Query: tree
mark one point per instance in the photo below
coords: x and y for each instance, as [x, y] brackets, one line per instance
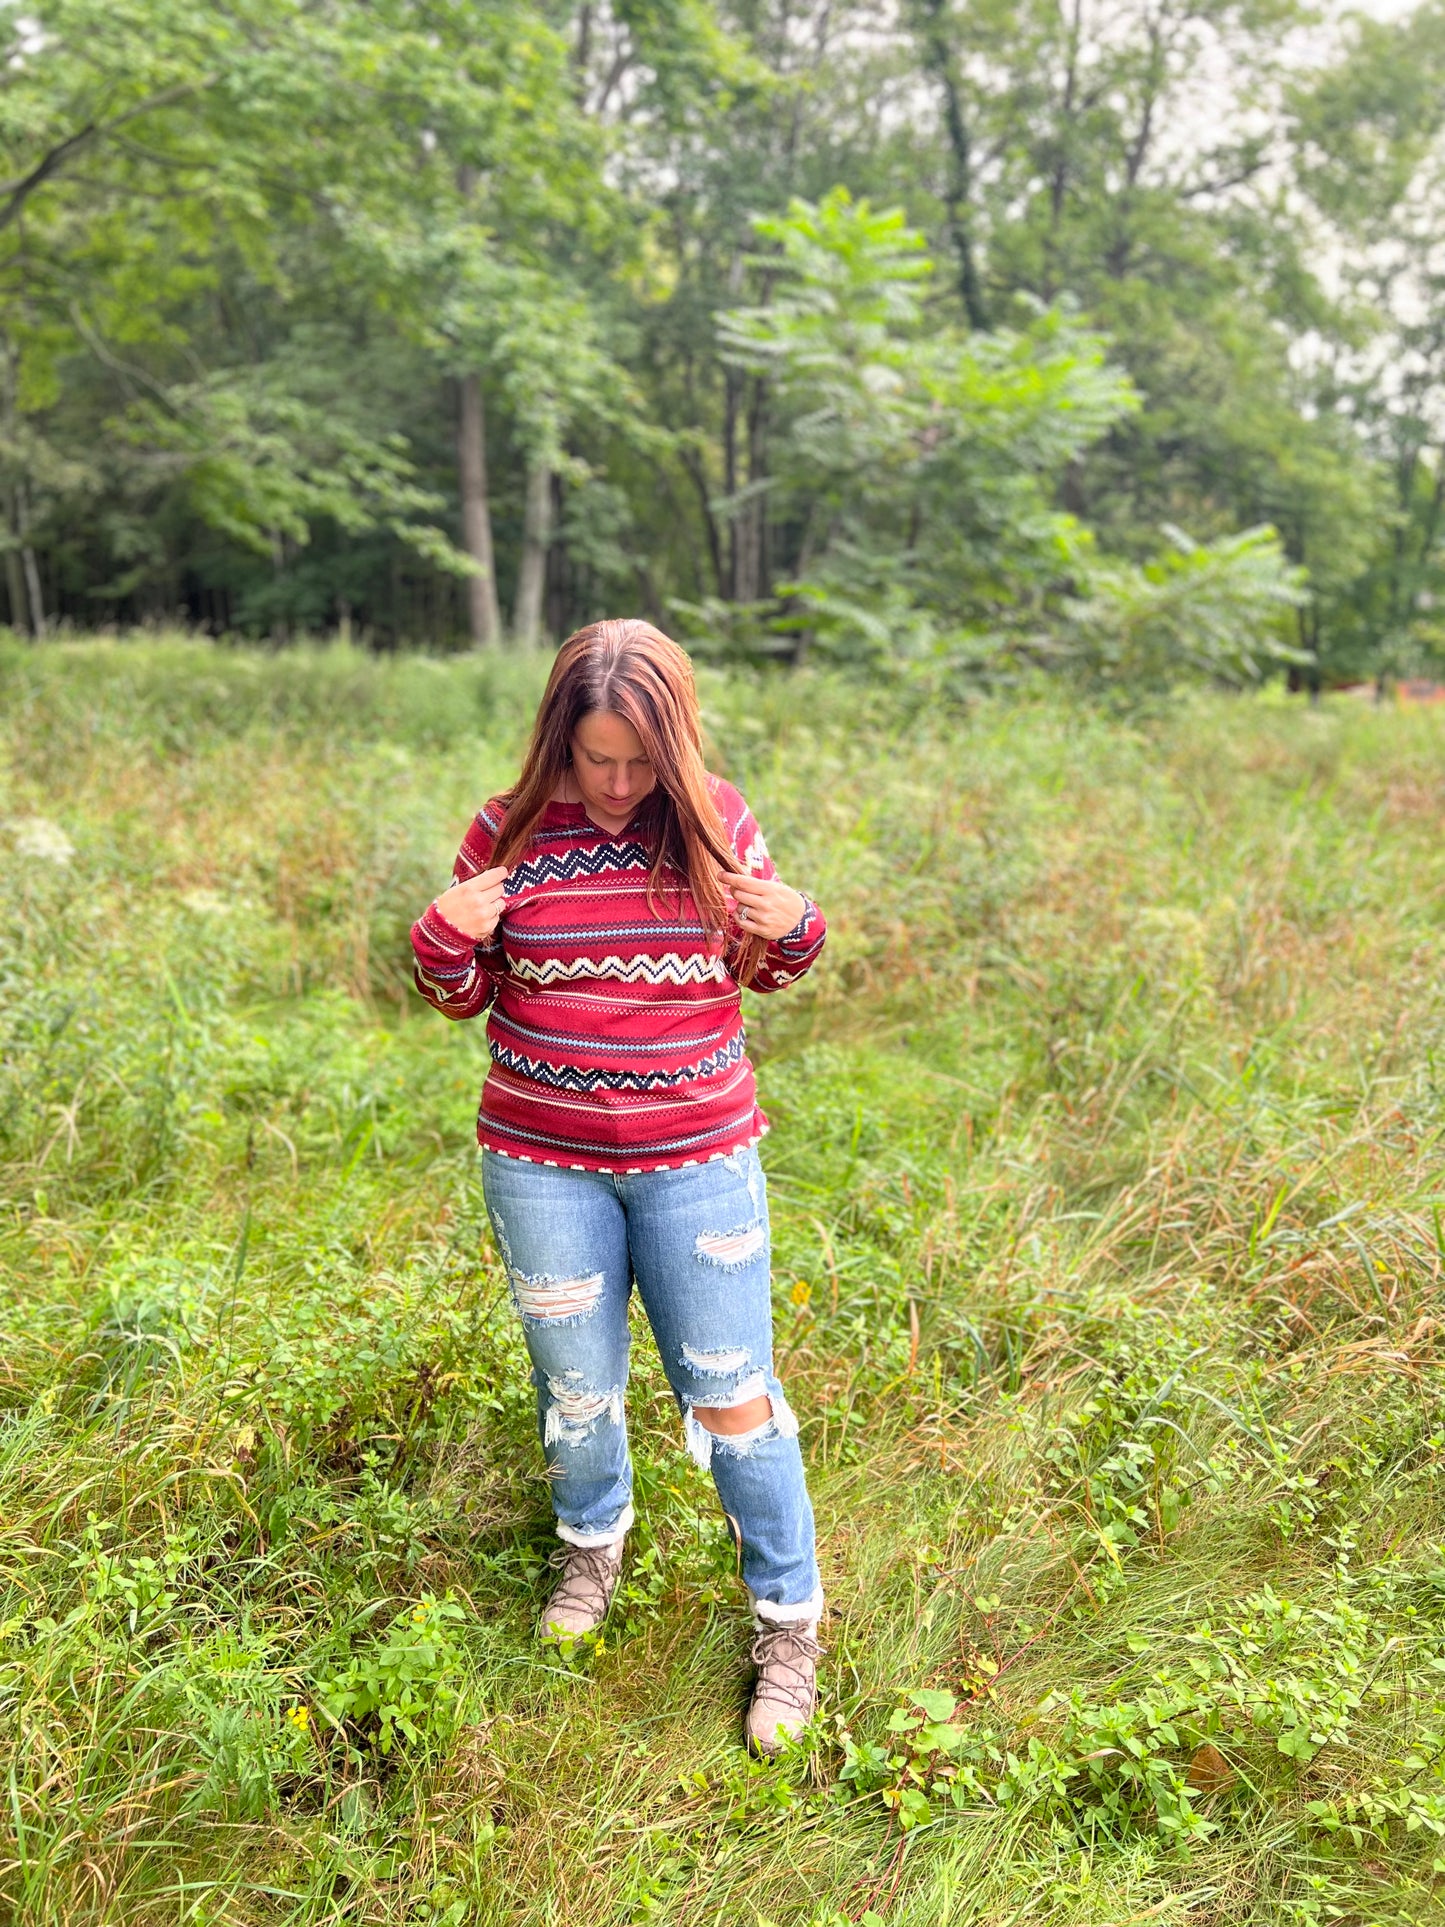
[342, 143]
[1114, 161]
[400, 316]
[1368, 138]
[921, 464]
[917, 461]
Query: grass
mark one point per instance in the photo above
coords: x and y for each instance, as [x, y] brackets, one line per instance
[1106, 1181]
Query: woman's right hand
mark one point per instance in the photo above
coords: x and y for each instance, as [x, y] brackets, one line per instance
[475, 907]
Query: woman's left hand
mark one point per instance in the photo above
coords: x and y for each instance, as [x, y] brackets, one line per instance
[765, 908]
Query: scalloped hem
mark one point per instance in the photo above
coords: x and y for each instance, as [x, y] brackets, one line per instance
[628, 1170]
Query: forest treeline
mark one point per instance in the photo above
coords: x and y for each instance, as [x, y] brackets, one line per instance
[1004, 333]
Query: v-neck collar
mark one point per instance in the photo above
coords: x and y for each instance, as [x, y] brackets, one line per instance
[578, 812]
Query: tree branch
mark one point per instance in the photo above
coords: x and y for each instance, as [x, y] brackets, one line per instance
[938, 57]
[118, 367]
[692, 463]
[626, 58]
[15, 193]
[1246, 172]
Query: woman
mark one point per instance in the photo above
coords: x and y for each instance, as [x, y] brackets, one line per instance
[606, 911]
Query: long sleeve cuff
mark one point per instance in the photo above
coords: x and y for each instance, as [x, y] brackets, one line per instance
[456, 974]
[791, 956]
[441, 937]
[805, 933]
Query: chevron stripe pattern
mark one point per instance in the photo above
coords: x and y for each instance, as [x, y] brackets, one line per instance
[615, 1032]
[669, 968]
[570, 1077]
[565, 866]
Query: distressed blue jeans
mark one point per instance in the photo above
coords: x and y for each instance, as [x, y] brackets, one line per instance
[695, 1240]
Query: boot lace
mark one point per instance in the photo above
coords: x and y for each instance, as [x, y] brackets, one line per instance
[589, 1577]
[786, 1659]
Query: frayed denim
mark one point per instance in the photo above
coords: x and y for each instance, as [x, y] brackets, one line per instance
[695, 1239]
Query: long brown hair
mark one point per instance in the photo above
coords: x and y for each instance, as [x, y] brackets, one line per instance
[632, 670]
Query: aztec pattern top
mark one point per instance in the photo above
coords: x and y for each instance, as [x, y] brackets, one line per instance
[615, 1028]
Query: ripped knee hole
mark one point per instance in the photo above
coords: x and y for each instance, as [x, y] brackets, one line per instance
[725, 1421]
[727, 1362]
[738, 1426]
[731, 1248]
[542, 1298]
[575, 1408]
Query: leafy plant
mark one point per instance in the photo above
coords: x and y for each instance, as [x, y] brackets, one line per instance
[1105, 1772]
[1224, 610]
[922, 456]
[403, 1687]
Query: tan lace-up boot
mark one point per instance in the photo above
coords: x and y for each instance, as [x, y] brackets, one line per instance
[785, 1693]
[584, 1592]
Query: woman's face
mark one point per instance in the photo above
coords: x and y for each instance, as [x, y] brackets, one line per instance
[611, 768]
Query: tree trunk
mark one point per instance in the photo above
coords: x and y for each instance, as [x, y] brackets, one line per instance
[938, 56]
[750, 521]
[483, 612]
[14, 574]
[28, 562]
[532, 576]
[692, 463]
[279, 634]
[1064, 155]
[732, 383]
[554, 595]
[15, 587]
[761, 502]
[732, 402]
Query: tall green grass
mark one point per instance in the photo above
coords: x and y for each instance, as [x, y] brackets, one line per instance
[1106, 1180]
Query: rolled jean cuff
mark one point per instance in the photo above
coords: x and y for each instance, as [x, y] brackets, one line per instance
[803, 1612]
[612, 1535]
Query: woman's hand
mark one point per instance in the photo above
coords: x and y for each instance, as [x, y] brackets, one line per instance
[475, 907]
[765, 908]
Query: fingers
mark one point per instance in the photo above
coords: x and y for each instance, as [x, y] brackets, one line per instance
[764, 906]
[485, 887]
[749, 901]
[761, 914]
[475, 905]
[760, 895]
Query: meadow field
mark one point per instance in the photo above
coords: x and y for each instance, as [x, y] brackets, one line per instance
[1107, 1197]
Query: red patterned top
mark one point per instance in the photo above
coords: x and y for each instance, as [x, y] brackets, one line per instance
[616, 1031]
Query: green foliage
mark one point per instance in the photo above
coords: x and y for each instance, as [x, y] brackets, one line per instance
[923, 463]
[1103, 1773]
[1284, 1674]
[920, 460]
[405, 1681]
[1215, 610]
[255, 1738]
[233, 218]
[250, 258]
[262, 466]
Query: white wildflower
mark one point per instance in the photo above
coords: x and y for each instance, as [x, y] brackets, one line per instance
[206, 903]
[37, 836]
